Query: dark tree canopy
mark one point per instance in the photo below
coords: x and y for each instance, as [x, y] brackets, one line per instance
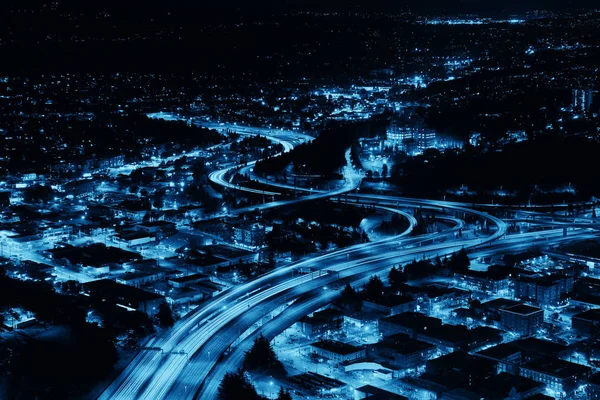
[350, 298]
[235, 386]
[374, 289]
[165, 316]
[396, 278]
[261, 357]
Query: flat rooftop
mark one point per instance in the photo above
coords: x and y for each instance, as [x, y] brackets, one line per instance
[522, 309]
[336, 347]
[556, 367]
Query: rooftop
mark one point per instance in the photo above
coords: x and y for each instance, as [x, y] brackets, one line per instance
[556, 367]
[522, 309]
[374, 393]
[189, 278]
[336, 347]
[499, 352]
[413, 320]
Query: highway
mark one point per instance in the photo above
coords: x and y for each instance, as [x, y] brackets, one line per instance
[316, 299]
[188, 353]
[152, 373]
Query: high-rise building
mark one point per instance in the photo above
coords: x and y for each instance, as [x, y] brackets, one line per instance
[426, 139]
[399, 133]
[582, 100]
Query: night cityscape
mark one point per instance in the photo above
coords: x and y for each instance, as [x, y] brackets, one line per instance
[300, 199]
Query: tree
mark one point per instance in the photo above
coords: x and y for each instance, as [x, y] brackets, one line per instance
[374, 289]
[165, 316]
[459, 261]
[350, 298]
[261, 357]
[384, 171]
[284, 394]
[396, 278]
[235, 386]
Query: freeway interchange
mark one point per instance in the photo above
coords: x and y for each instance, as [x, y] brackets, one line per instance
[188, 361]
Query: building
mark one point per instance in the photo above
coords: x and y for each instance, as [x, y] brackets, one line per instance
[184, 281]
[522, 319]
[134, 238]
[403, 134]
[338, 351]
[459, 337]
[510, 356]
[391, 304]
[322, 323]
[398, 134]
[544, 290]
[374, 393]
[110, 162]
[138, 278]
[437, 296]
[125, 296]
[252, 235]
[491, 281]
[560, 376]
[460, 369]
[426, 139]
[587, 323]
[507, 357]
[404, 352]
[582, 100]
[54, 232]
[160, 229]
[408, 323]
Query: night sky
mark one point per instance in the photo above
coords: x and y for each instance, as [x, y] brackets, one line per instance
[462, 6]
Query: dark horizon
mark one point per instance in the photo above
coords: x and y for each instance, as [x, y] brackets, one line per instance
[454, 6]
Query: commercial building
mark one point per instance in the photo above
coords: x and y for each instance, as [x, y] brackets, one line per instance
[322, 322]
[338, 351]
[587, 323]
[460, 369]
[374, 393]
[184, 281]
[404, 352]
[559, 375]
[391, 304]
[582, 100]
[138, 278]
[491, 282]
[408, 323]
[249, 235]
[544, 290]
[522, 319]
